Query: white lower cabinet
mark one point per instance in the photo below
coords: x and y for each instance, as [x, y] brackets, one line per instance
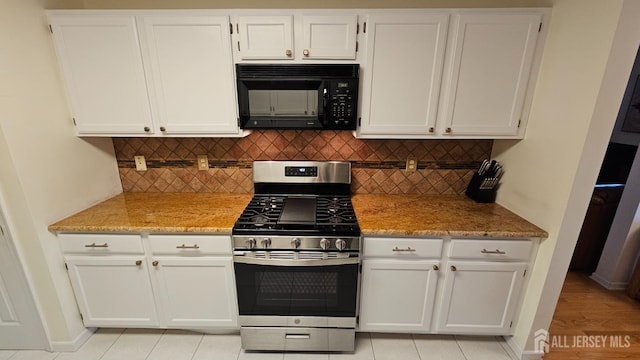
[399, 281]
[398, 295]
[480, 298]
[156, 281]
[113, 290]
[476, 290]
[196, 292]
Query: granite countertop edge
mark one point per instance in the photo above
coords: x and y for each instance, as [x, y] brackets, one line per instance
[216, 213]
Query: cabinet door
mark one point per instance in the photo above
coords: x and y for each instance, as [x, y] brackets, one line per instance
[329, 37]
[113, 290]
[397, 296]
[103, 74]
[190, 73]
[480, 298]
[265, 37]
[196, 292]
[492, 56]
[401, 84]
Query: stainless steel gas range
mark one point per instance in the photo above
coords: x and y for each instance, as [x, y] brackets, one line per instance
[296, 258]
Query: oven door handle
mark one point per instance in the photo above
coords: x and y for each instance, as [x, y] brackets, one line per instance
[291, 262]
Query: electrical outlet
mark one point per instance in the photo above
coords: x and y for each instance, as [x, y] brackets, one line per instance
[203, 162]
[141, 164]
[412, 164]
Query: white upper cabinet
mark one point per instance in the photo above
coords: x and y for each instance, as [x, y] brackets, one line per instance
[103, 73]
[401, 83]
[265, 37]
[329, 37]
[190, 73]
[155, 73]
[491, 57]
[296, 36]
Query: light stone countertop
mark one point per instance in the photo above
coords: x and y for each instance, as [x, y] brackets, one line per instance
[159, 212]
[438, 215]
[388, 215]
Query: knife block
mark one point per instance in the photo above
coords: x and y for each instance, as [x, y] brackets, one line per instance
[480, 195]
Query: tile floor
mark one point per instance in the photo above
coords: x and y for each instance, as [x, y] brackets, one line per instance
[140, 344]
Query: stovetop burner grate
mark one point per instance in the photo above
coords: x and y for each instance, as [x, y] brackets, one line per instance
[332, 214]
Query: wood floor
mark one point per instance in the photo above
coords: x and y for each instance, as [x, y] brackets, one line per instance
[591, 322]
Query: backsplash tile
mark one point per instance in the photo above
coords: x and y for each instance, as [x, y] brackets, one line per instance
[444, 166]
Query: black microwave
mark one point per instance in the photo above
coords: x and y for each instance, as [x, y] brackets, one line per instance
[298, 96]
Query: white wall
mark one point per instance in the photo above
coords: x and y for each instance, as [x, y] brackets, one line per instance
[47, 172]
[551, 173]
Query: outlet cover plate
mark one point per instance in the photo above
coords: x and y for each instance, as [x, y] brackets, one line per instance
[412, 163]
[141, 163]
[203, 162]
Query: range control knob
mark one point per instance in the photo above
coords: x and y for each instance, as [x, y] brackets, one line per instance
[325, 244]
[295, 243]
[266, 242]
[341, 244]
[251, 243]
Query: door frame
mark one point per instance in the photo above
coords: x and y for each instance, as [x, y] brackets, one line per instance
[38, 333]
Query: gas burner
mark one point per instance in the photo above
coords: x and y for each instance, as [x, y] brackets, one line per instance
[259, 220]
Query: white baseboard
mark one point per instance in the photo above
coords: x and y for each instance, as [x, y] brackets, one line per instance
[609, 285]
[75, 344]
[518, 353]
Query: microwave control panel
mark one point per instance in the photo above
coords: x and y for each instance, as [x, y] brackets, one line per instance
[343, 97]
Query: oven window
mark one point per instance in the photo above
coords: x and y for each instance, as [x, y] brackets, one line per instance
[297, 290]
[298, 103]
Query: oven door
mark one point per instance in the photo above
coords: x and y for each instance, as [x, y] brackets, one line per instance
[297, 292]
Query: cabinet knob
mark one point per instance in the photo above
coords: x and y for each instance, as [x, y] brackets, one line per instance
[453, 268]
[147, 129]
[288, 52]
[431, 129]
[138, 262]
[162, 128]
[155, 263]
[448, 130]
[305, 52]
[436, 267]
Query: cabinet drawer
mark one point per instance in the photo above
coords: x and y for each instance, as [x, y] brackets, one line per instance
[402, 247]
[190, 244]
[101, 244]
[491, 249]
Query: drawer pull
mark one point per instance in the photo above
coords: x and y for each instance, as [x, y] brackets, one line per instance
[183, 246]
[485, 251]
[409, 249]
[105, 245]
[138, 262]
[453, 268]
[155, 263]
[436, 267]
[297, 336]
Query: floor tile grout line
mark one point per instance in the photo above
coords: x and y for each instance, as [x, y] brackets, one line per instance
[415, 346]
[156, 344]
[110, 346]
[198, 347]
[455, 337]
[505, 347]
[373, 350]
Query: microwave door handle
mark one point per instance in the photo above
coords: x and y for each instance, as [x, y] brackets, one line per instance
[323, 112]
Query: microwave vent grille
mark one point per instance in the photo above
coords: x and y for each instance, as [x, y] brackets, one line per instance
[295, 70]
